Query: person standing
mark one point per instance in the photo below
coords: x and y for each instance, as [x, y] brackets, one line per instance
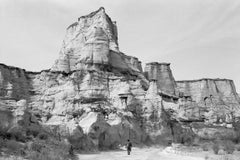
[129, 147]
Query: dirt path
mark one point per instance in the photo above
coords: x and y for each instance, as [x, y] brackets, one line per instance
[137, 154]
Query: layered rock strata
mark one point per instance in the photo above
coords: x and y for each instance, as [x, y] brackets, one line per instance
[217, 96]
[98, 97]
[162, 75]
[13, 83]
[207, 92]
[93, 41]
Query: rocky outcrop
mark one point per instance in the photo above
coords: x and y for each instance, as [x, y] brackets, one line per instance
[218, 96]
[93, 41]
[162, 75]
[97, 97]
[13, 83]
[210, 91]
[210, 103]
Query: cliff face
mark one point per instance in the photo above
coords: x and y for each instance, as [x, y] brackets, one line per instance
[207, 92]
[93, 41]
[100, 97]
[215, 100]
[162, 75]
[14, 83]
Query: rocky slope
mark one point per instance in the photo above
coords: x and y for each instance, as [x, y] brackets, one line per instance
[97, 97]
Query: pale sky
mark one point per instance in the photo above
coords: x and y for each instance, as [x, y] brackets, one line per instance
[200, 38]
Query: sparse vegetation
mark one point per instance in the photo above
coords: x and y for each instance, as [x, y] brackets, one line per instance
[37, 146]
[42, 136]
[229, 147]
[238, 147]
[206, 157]
[215, 147]
[48, 150]
[205, 147]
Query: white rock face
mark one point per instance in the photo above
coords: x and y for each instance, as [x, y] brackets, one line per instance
[162, 74]
[13, 83]
[93, 41]
[218, 96]
[100, 97]
[206, 91]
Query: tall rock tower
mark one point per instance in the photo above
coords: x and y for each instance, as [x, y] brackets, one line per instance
[91, 42]
[162, 75]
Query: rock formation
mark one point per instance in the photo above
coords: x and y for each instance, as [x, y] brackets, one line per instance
[98, 97]
[162, 75]
[210, 92]
[91, 42]
[217, 96]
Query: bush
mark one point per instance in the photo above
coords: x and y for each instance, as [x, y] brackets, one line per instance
[46, 154]
[215, 148]
[206, 157]
[2, 143]
[12, 145]
[42, 136]
[238, 147]
[32, 132]
[229, 147]
[189, 141]
[205, 147]
[35, 146]
[49, 150]
[19, 136]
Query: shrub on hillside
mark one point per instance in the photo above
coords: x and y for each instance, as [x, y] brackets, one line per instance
[2, 143]
[238, 148]
[237, 139]
[13, 145]
[215, 148]
[205, 147]
[229, 147]
[42, 136]
[188, 140]
[49, 150]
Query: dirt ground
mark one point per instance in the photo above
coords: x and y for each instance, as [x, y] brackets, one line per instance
[158, 154]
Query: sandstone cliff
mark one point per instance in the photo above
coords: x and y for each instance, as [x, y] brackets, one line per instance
[162, 75]
[212, 94]
[93, 41]
[205, 91]
[13, 83]
[98, 97]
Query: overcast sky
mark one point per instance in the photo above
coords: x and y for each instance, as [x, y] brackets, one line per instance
[200, 38]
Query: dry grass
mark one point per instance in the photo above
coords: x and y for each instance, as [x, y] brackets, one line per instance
[48, 150]
[205, 147]
[215, 148]
[229, 147]
[37, 149]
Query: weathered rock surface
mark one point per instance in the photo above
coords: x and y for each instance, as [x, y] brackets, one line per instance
[162, 74]
[13, 83]
[210, 91]
[98, 97]
[217, 96]
[93, 41]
